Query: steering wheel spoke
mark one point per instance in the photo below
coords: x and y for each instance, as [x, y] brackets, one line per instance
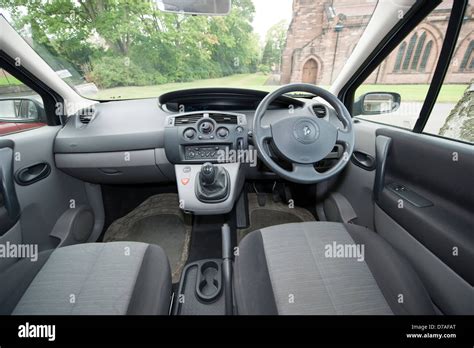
[265, 132]
[344, 137]
[304, 170]
[262, 133]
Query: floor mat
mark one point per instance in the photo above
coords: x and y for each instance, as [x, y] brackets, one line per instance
[273, 213]
[158, 220]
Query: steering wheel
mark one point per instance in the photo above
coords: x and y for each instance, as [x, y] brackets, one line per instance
[304, 139]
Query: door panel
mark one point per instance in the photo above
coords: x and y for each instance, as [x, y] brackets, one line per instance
[43, 202]
[425, 210]
[450, 293]
[437, 238]
[9, 206]
[428, 169]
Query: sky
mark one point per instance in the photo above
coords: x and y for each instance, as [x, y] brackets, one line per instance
[269, 12]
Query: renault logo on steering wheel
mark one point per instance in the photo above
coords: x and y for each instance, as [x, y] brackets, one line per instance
[306, 131]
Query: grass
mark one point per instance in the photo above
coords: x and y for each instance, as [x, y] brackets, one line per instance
[252, 81]
[416, 93]
[10, 81]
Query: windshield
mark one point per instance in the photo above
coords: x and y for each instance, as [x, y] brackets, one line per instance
[122, 49]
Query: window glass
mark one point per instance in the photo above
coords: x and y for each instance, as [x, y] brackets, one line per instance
[408, 72]
[130, 49]
[21, 108]
[453, 114]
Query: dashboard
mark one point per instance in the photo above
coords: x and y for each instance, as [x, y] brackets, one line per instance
[140, 141]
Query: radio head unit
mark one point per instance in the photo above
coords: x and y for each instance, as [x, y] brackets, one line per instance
[199, 137]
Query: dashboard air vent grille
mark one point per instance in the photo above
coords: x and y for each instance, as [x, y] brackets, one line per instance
[320, 110]
[222, 118]
[86, 115]
[187, 119]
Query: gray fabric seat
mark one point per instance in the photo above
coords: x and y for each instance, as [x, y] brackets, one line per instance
[93, 279]
[292, 269]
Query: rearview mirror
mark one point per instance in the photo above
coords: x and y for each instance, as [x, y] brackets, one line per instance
[196, 7]
[21, 110]
[375, 103]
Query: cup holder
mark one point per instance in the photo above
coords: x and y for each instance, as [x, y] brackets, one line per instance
[209, 282]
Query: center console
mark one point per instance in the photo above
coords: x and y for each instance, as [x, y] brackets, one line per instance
[205, 287]
[203, 148]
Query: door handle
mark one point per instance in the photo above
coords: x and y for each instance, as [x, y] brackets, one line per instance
[363, 160]
[29, 175]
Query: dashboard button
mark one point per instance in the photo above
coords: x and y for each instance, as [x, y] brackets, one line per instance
[189, 133]
[222, 132]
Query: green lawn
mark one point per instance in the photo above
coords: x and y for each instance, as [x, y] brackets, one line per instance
[252, 81]
[449, 93]
[4, 81]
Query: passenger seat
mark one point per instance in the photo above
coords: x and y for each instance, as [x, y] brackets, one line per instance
[89, 279]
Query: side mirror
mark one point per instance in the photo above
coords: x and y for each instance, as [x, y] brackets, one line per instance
[201, 7]
[21, 110]
[376, 103]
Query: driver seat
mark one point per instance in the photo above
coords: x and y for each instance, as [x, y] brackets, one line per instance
[301, 269]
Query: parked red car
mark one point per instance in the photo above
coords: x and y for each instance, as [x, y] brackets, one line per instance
[18, 114]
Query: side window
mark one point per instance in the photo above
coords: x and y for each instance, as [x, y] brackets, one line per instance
[453, 114]
[21, 108]
[394, 93]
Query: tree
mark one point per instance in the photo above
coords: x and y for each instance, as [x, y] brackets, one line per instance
[156, 46]
[274, 45]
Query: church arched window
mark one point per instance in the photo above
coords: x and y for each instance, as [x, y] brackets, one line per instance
[400, 54]
[426, 56]
[409, 54]
[417, 54]
[413, 55]
[467, 62]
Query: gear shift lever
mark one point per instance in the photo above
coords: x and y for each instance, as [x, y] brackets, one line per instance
[213, 184]
[208, 173]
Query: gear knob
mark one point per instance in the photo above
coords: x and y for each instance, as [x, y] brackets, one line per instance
[208, 173]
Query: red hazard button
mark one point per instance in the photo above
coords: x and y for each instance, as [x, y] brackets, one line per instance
[184, 181]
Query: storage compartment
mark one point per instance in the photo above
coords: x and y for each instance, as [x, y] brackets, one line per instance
[200, 289]
[127, 167]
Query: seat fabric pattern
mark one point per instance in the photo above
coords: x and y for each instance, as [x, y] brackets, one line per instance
[100, 279]
[297, 269]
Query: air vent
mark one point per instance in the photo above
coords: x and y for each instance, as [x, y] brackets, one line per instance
[86, 115]
[224, 119]
[320, 110]
[187, 119]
